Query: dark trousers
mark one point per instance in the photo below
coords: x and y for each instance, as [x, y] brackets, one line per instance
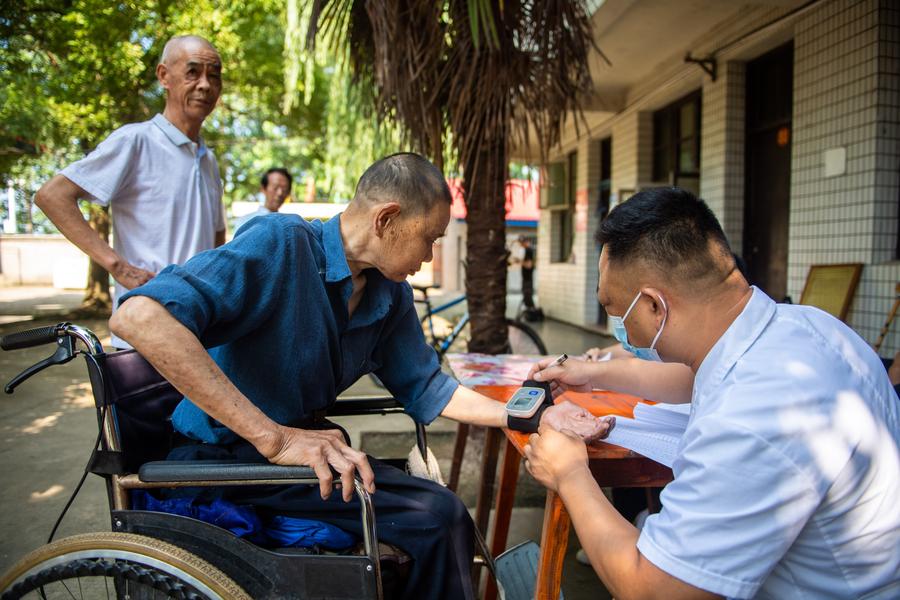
[528, 287]
[424, 519]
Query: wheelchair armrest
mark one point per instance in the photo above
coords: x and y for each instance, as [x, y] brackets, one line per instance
[217, 470]
[364, 405]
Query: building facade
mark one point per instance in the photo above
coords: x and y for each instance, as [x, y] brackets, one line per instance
[783, 116]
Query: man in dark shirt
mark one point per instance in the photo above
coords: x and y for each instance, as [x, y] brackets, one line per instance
[527, 272]
[294, 313]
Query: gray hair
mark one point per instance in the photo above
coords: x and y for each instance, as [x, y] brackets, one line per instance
[406, 178]
[177, 42]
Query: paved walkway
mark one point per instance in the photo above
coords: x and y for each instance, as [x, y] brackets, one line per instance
[48, 425]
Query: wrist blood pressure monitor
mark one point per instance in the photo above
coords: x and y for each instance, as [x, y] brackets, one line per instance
[524, 409]
[525, 402]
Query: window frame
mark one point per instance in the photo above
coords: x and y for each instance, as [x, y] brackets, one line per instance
[668, 140]
[562, 214]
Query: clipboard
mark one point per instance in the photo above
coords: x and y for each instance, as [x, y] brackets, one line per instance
[831, 287]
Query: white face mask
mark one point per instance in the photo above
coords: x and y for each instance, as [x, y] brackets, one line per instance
[618, 324]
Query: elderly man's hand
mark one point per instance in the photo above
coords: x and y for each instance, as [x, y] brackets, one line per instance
[552, 456]
[567, 416]
[322, 450]
[131, 276]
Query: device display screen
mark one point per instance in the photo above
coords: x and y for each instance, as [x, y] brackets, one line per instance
[523, 401]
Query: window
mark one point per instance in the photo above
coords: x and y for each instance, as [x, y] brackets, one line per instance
[676, 143]
[561, 202]
[556, 191]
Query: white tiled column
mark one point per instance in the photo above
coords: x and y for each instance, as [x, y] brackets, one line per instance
[632, 153]
[722, 149]
[567, 291]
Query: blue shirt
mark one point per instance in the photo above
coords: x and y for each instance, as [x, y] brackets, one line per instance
[272, 306]
[787, 478]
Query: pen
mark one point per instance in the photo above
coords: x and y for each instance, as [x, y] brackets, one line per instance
[560, 360]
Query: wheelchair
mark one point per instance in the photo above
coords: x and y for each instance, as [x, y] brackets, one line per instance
[161, 555]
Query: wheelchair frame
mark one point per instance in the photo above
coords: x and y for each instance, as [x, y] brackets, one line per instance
[119, 377]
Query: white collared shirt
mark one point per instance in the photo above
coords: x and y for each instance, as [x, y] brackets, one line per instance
[164, 193]
[787, 481]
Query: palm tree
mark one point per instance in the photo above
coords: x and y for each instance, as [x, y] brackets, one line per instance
[481, 74]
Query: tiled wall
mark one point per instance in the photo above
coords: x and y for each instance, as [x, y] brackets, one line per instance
[846, 95]
[632, 153]
[722, 149]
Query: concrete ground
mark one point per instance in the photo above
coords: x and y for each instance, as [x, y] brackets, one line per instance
[47, 428]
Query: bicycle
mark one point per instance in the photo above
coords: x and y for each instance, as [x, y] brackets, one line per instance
[521, 339]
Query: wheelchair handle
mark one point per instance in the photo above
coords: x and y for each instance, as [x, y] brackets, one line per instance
[63, 334]
[31, 337]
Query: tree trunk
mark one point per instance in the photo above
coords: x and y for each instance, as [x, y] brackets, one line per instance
[484, 182]
[97, 300]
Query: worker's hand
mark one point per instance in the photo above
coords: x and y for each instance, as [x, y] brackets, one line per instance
[322, 450]
[129, 275]
[573, 375]
[570, 417]
[593, 354]
[552, 456]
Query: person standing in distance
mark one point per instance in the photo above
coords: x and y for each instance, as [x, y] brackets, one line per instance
[158, 177]
[275, 186]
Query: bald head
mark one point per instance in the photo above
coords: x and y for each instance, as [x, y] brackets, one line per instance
[181, 44]
[191, 73]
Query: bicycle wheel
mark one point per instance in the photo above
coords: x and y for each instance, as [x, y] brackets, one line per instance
[523, 339]
[116, 565]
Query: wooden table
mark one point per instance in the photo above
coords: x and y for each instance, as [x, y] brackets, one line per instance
[612, 466]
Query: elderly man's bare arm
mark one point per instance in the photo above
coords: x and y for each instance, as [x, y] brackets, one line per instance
[58, 198]
[468, 406]
[179, 356]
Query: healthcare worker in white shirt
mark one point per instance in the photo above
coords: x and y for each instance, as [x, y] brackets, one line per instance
[159, 178]
[787, 479]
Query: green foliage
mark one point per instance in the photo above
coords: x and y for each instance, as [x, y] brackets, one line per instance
[72, 71]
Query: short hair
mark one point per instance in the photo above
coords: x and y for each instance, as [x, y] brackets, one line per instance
[264, 182]
[407, 178]
[668, 228]
[177, 41]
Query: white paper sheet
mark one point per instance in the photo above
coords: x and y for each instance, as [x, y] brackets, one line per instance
[655, 432]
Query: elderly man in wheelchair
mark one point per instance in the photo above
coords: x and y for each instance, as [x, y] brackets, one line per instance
[259, 337]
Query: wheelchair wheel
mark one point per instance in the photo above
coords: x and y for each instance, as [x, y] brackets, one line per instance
[116, 565]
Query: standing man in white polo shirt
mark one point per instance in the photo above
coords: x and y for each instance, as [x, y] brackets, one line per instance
[787, 479]
[158, 177]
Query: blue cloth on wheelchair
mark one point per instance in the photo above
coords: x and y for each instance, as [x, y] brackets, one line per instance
[305, 533]
[242, 520]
